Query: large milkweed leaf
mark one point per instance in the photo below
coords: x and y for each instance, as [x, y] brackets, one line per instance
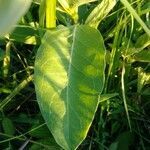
[10, 12]
[69, 77]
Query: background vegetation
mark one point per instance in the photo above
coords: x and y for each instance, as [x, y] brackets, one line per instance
[122, 120]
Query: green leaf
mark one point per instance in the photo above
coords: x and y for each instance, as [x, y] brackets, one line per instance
[113, 146]
[48, 144]
[146, 92]
[2, 54]
[25, 119]
[77, 3]
[100, 12]
[8, 126]
[125, 140]
[25, 34]
[105, 97]
[143, 79]
[37, 1]
[69, 77]
[71, 6]
[143, 56]
[40, 132]
[143, 41]
[138, 52]
[74, 3]
[10, 13]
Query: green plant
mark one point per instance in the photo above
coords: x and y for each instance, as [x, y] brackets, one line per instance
[91, 74]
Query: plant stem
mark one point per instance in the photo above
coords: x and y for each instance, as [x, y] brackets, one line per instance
[16, 91]
[6, 62]
[50, 13]
[124, 96]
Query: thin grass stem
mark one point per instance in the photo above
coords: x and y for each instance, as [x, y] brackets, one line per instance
[136, 16]
[124, 95]
[16, 91]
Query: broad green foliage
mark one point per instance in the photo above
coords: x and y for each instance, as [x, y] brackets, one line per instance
[69, 74]
[143, 56]
[25, 34]
[69, 77]
[100, 12]
[123, 141]
[143, 41]
[140, 51]
[10, 13]
[8, 126]
[143, 79]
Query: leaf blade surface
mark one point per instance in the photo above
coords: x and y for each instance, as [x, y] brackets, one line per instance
[69, 77]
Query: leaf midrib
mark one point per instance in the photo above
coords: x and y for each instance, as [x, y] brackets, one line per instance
[69, 71]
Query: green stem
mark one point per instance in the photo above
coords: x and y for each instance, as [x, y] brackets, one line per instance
[50, 13]
[6, 62]
[15, 91]
[20, 137]
[124, 95]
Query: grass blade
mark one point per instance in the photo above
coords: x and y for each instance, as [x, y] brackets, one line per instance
[124, 97]
[136, 16]
[15, 92]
